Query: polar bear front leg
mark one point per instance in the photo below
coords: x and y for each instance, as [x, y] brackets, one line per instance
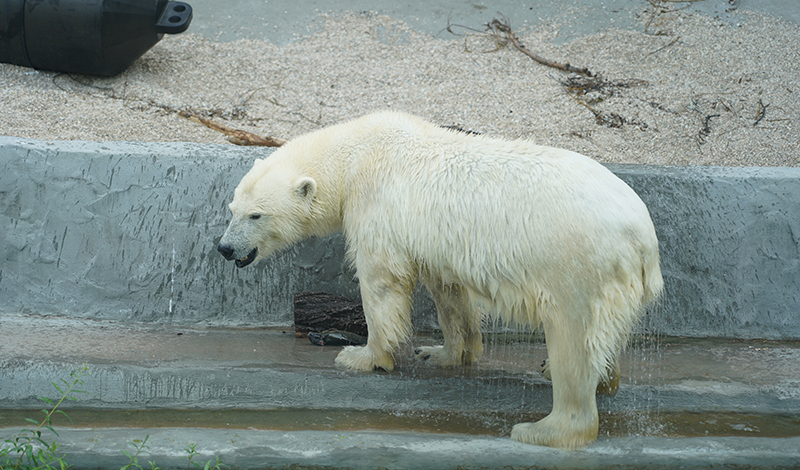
[387, 308]
[460, 327]
[573, 423]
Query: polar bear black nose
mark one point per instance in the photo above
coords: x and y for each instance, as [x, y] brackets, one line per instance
[226, 250]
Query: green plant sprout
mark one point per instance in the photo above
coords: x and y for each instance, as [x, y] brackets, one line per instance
[191, 450]
[133, 459]
[27, 450]
[21, 452]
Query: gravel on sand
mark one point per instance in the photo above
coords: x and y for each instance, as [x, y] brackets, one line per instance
[686, 89]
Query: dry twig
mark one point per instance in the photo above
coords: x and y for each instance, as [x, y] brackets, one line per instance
[664, 47]
[235, 136]
[603, 118]
[503, 34]
[596, 90]
[762, 111]
[502, 29]
[659, 9]
[705, 131]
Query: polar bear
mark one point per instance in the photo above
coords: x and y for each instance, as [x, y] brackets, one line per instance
[534, 235]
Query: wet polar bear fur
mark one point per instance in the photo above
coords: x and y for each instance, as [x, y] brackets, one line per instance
[535, 236]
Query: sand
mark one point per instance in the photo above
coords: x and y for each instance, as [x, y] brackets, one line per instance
[693, 90]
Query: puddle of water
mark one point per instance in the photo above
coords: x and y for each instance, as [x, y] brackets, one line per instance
[625, 424]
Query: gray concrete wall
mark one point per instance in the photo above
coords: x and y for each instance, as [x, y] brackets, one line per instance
[730, 248]
[128, 231]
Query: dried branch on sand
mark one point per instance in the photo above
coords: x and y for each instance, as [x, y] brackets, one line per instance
[595, 90]
[762, 111]
[235, 136]
[502, 29]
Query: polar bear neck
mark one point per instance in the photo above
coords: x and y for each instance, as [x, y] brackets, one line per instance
[338, 157]
[344, 156]
[321, 156]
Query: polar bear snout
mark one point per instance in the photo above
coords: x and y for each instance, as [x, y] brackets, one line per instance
[230, 254]
[236, 244]
[226, 251]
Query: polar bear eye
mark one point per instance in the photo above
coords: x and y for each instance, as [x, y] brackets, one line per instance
[255, 216]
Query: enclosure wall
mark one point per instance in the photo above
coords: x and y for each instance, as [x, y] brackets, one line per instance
[128, 232]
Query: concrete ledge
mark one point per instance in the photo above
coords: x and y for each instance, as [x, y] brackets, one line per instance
[127, 231]
[100, 448]
[148, 366]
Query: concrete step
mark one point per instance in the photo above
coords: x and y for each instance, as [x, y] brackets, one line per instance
[309, 450]
[264, 398]
[162, 366]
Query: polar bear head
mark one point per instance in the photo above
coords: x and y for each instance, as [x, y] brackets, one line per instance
[271, 209]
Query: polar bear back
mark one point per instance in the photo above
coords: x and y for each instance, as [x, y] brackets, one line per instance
[493, 215]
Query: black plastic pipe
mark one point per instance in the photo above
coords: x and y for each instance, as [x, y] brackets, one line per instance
[93, 37]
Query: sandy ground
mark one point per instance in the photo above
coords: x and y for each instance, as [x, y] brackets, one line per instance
[679, 89]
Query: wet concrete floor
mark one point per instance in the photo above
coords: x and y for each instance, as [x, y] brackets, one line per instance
[255, 388]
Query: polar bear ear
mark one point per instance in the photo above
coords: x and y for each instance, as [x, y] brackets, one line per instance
[305, 187]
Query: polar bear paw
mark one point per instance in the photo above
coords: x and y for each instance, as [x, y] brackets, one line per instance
[442, 357]
[552, 432]
[362, 358]
[437, 355]
[546, 369]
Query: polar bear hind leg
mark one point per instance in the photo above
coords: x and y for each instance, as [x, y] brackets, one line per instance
[609, 382]
[573, 422]
[460, 324]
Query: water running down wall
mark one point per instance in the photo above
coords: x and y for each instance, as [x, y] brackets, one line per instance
[128, 232]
